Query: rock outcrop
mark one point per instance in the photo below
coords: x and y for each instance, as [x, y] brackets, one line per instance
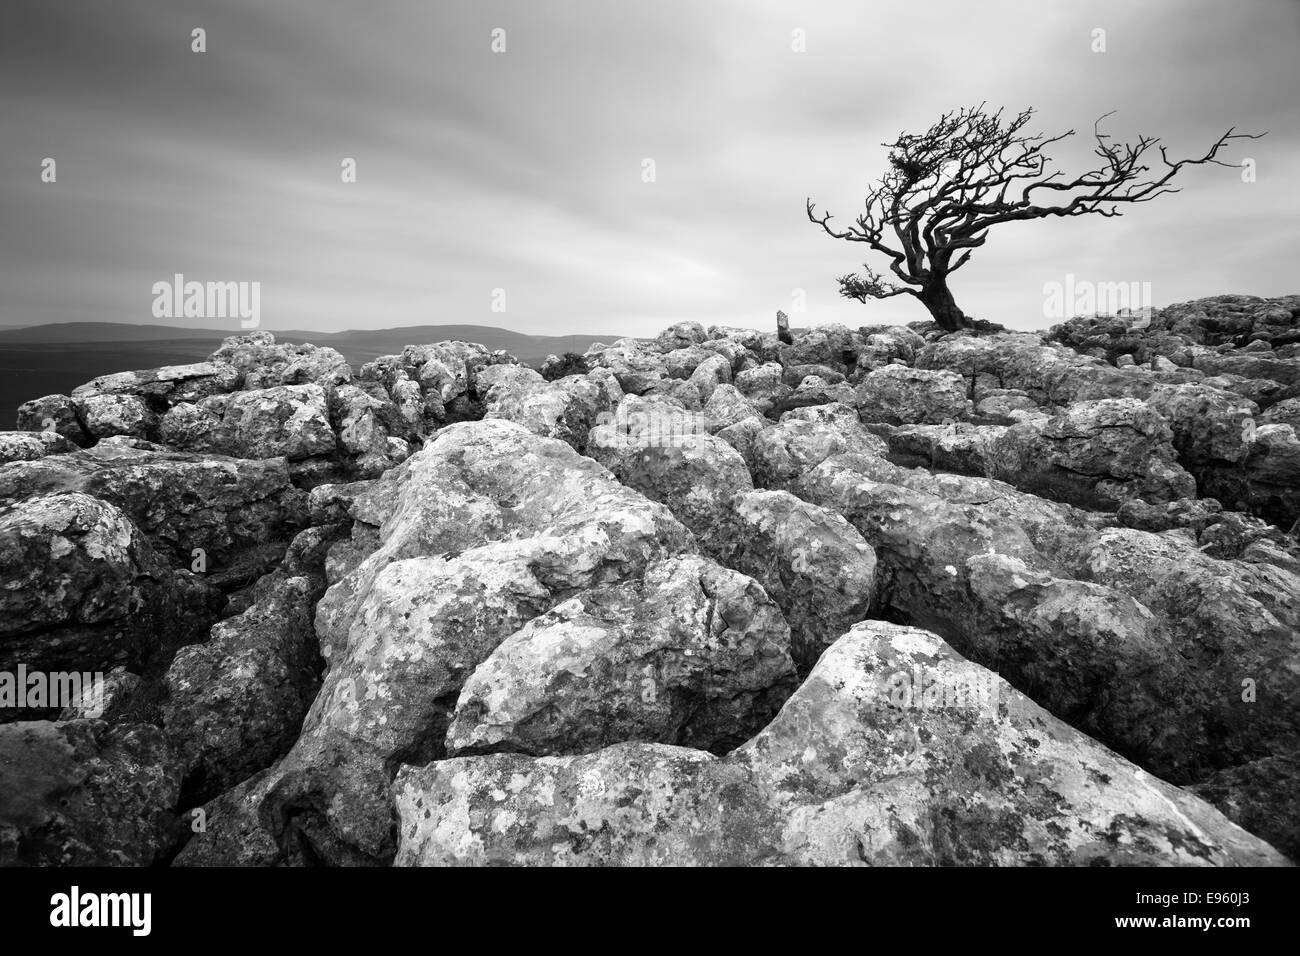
[484, 531]
[884, 595]
[82, 793]
[85, 591]
[895, 751]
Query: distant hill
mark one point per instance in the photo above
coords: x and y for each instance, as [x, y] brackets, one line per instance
[103, 332]
[362, 345]
[45, 359]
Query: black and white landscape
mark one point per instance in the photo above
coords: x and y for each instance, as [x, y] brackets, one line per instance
[606, 434]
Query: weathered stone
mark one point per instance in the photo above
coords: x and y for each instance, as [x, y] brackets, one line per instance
[860, 767]
[797, 444]
[109, 700]
[830, 345]
[84, 589]
[1283, 413]
[680, 335]
[182, 502]
[726, 406]
[812, 562]
[264, 364]
[290, 421]
[741, 436]
[566, 409]
[54, 413]
[636, 366]
[1051, 375]
[664, 454]
[1094, 454]
[763, 386]
[484, 529]
[82, 793]
[104, 415]
[884, 344]
[898, 395]
[167, 385]
[1263, 796]
[692, 654]
[709, 374]
[28, 446]
[235, 704]
[233, 833]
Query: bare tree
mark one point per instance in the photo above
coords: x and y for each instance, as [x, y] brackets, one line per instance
[973, 170]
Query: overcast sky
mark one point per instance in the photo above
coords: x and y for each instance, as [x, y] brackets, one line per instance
[523, 170]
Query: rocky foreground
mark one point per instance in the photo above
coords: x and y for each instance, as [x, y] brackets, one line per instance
[880, 595]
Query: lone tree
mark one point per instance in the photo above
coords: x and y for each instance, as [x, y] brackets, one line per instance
[973, 170]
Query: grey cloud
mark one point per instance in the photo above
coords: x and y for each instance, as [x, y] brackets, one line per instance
[523, 170]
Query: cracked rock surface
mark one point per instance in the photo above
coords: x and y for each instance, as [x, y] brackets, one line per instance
[857, 596]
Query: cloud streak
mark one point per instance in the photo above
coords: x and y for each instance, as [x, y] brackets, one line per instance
[522, 170]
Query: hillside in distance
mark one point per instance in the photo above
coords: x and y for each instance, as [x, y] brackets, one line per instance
[48, 359]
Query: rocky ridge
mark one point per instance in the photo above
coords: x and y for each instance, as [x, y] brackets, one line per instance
[871, 596]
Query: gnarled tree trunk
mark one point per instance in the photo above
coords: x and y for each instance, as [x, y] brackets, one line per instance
[943, 307]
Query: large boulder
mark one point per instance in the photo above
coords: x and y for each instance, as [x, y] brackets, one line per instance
[28, 446]
[85, 591]
[1272, 462]
[1263, 796]
[834, 346]
[235, 703]
[895, 751]
[763, 386]
[898, 395]
[82, 793]
[290, 421]
[887, 344]
[1051, 375]
[1095, 454]
[184, 503]
[1235, 623]
[1236, 456]
[709, 374]
[637, 367]
[1084, 645]
[814, 564]
[567, 408]
[680, 335]
[106, 415]
[798, 443]
[364, 418]
[726, 406]
[57, 413]
[664, 453]
[480, 532]
[262, 363]
[959, 447]
[166, 386]
[1283, 413]
[681, 363]
[691, 654]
